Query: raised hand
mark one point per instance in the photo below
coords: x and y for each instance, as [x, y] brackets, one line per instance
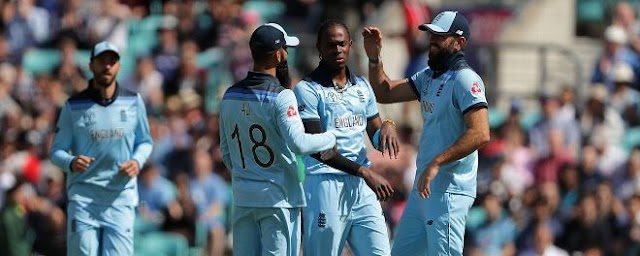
[372, 41]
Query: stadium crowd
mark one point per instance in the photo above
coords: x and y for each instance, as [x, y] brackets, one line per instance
[568, 182]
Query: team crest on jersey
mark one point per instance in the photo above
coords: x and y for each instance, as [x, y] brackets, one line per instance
[291, 111]
[332, 97]
[88, 118]
[360, 96]
[475, 88]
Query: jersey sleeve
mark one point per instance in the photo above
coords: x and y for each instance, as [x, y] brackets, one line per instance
[417, 81]
[372, 105]
[62, 140]
[468, 92]
[292, 130]
[143, 143]
[224, 143]
[308, 100]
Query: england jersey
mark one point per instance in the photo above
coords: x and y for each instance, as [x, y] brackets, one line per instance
[112, 133]
[261, 133]
[444, 100]
[344, 112]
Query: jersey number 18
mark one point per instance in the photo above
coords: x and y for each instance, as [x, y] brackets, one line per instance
[256, 144]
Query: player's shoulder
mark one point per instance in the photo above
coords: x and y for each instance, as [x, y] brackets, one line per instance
[124, 92]
[466, 75]
[358, 79]
[83, 95]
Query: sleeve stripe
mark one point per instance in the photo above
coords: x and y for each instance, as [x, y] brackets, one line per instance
[474, 106]
[373, 117]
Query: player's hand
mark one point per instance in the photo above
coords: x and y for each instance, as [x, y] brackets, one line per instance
[377, 183]
[372, 41]
[329, 153]
[389, 141]
[81, 163]
[130, 168]
[424, 183]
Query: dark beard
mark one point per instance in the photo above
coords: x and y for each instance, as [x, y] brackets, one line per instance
[437, 60]
[282, 73]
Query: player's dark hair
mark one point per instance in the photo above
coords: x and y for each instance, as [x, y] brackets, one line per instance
[261, 56]
[326, 25]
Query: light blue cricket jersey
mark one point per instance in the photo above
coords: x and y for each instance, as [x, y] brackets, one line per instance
[260, 133]
[111, 132]
[444, 100]
[343, 113]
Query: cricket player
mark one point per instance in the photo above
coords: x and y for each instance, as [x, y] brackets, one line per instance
[261, 132]
[342, 193]
[455, 116]
[101, 141]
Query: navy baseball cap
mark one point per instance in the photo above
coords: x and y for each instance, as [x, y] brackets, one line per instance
[103, 47]
[448, 23]
[270, 37]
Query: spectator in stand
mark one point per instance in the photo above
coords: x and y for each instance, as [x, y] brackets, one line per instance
[627, 179]
[148, 82]
[625, 16]
[543, 243]
[209, 193]
[603, 128]
[585, 231]
[68, 71]
[615, 50]
[624, 98]
[496, 234]
[552, 120]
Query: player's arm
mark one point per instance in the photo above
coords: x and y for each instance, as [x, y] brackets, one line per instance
[385, 89]
[224, 146]
[476, 136]
[291, 127]
[143, 144]
[383, 135]
[62, 140]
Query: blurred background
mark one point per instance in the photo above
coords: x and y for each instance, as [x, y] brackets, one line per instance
[560, 176]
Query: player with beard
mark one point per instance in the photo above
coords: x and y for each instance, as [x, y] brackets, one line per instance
[260, 135]
[342, 192]
[101, 140]
[455, 115]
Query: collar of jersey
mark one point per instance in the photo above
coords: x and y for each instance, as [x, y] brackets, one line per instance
[262, 76]
[94, 94]
[321, 76]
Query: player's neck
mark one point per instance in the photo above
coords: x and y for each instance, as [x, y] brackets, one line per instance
[262, 69]
[106, 93]
[338, 75]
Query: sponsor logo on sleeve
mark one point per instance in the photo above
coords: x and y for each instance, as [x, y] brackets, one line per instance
[292, 111]
[475, 88]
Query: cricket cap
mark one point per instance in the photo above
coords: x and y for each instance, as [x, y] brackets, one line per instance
[270, 37]
[448, 23]
[103, 47]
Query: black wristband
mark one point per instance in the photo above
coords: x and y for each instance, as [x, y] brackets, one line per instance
[374, 61]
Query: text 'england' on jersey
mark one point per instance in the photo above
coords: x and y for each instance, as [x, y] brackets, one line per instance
[345, 112]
